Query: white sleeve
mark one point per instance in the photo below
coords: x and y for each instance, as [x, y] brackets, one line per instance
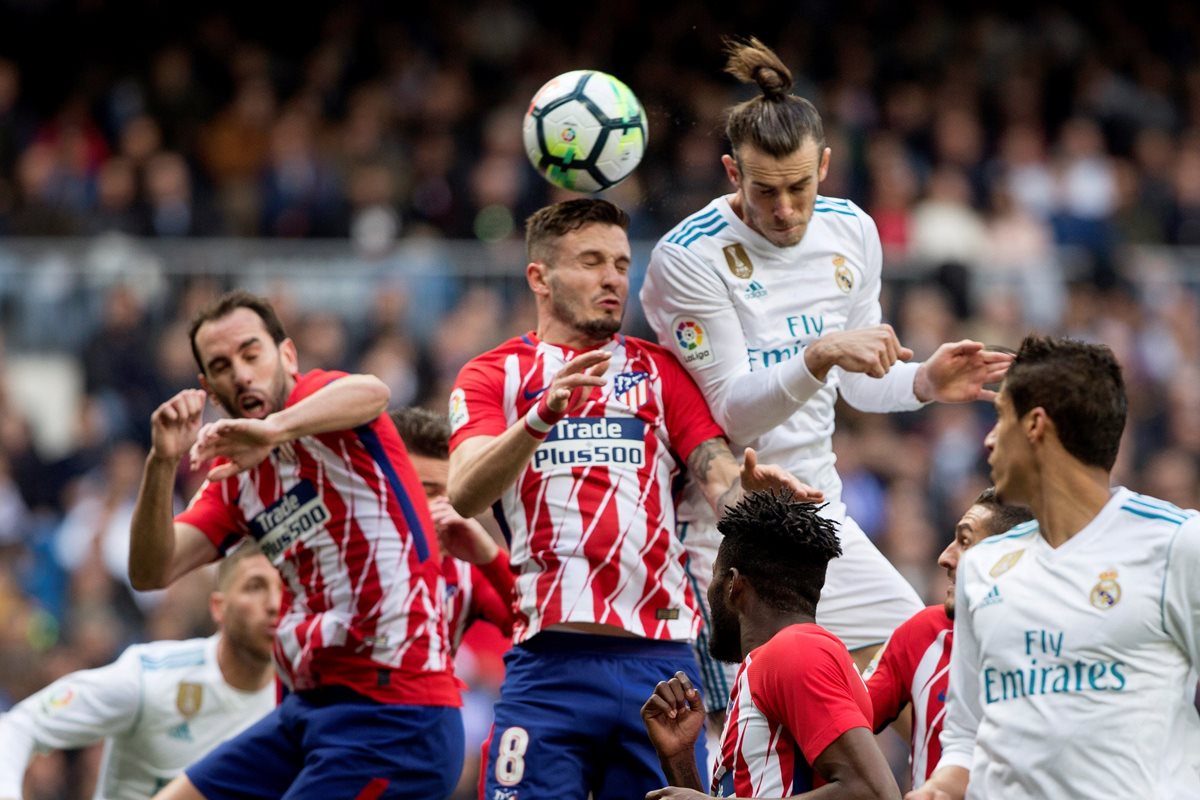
[76, 710]
[962, 695]
[745, 403]
[1181, 590]
[894, 391]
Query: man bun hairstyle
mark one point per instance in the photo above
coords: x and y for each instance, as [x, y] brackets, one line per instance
[776, 122]
[782, 546]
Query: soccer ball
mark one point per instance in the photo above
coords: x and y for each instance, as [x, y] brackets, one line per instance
[585, 131]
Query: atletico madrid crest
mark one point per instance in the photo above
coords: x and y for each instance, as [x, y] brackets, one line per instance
[631, 389]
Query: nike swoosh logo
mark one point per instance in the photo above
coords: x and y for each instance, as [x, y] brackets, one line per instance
[536, 394]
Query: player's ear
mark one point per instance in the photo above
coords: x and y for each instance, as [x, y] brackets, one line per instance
[737, 588]
[731, 170]
[1037, 424]
[287, 353]
[535, 274]
[216, 607]
[823, 170]
[212, 396]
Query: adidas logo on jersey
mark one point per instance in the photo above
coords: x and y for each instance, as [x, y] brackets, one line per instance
[755, 290]
[991, 598]
[182, 732]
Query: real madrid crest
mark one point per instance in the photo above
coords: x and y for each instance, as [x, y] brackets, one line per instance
[739, 263]
[1107, 592]
[842, 274]
[1006, 563]
[188, 698]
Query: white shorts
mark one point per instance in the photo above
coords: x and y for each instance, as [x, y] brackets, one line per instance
[865, 598]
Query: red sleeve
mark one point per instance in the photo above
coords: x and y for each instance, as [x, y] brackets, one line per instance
[477, 402]
[805, 683]
[689, 422]
[885, 679]
[312, 381]
[492, 599]
[214, 510]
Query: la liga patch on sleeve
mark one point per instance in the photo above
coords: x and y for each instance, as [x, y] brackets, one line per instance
[458, 410]
[692, 343]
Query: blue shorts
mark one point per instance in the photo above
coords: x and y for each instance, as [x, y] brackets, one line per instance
[334, 743]
[569, 718]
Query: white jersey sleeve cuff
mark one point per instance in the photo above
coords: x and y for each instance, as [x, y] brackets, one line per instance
[955, 758]
[798, 383]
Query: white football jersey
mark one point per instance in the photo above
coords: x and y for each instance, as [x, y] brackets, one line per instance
[1074, 668]
[739, 311]
[160, 706]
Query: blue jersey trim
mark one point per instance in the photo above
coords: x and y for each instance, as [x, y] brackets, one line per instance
[693, 222]
[1017, 531]
[1150, 515]
[371, 441]
[175, 661]
[700, 233]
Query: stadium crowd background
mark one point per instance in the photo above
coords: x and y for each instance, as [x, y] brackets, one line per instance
[1027, 167]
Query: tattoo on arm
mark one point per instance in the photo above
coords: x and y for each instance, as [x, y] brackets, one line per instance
[714, 454]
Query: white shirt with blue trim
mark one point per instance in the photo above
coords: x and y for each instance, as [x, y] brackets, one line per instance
[1074, 668]
[160, 707]
[739, 311]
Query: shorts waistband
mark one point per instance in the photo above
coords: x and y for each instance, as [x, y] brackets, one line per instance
[592, 644]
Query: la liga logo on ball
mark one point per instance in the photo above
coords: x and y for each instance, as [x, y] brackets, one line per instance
[585, 131]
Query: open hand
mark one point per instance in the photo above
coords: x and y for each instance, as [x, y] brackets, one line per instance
[245, 442]
[957, 372]
[772, 478]
[572, 386]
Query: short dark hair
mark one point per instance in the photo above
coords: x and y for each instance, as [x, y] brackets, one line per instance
[1081, 389]
[782, 546]
[1003, 516]
[776, 122]
[225, 305]
[546, 225]
[424, 433]
[228, 565]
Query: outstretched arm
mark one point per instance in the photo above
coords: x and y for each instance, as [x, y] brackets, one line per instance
[724, 483]
[74, 711]
[483, 467]
[344, 403]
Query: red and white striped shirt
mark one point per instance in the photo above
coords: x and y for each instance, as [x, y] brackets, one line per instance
[794, 696]
[592, 517]
[483, 592]
[343, 517]
[914, 667]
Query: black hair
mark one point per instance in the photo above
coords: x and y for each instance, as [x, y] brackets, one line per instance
[782, 546]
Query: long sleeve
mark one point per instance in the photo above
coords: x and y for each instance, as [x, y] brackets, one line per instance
[746, 403]
[76, 710]
[894, 391]
[1181, 591]
[963, 711]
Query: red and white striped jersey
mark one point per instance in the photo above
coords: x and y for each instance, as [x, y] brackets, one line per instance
[477, 593]
[794, 696]
[343, 517]
[592, 517]
[914, 667]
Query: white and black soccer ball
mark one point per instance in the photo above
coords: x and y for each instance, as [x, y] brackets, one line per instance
[585, 131]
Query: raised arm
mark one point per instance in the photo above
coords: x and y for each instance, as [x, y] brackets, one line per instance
[483, 467]
[160, 549]
[724, 483]
[679, 289]
[344, 403]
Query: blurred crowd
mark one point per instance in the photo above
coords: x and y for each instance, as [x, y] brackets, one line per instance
[1023, 164]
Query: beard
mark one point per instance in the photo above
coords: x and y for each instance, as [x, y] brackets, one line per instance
[726, 642]
[595, 328]
[276, 395]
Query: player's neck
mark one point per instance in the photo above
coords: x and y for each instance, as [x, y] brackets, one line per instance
[567, 337]
[1068, 499]
[241, 670]
[761, 625]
